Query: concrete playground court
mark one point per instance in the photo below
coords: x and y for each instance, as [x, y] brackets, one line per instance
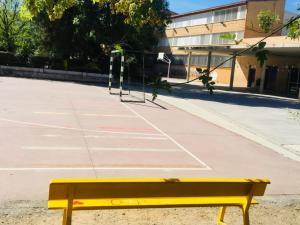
[55, 129]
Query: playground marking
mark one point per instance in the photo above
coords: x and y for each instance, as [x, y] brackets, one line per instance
[51, 135]
[52, 113]
[126, 137]
[107, 149]
[75, 129]
[88, 114]
[103, 115]
[105, 137]
[51, 148]
[104, 168]
[169, 137]
[135, 149]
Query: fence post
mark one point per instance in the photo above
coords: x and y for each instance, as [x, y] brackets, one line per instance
[110, 73]
[122, 75]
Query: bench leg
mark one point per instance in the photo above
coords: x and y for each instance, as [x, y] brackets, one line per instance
[67, 219]
[246, 217]
[221, 216]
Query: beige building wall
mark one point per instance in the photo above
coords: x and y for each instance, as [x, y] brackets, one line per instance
[243, 64]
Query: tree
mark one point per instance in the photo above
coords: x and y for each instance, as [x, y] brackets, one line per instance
[267, 20]
[294, 29]
[141, 12]
[86, 31]
[10, 24]
[137, 12]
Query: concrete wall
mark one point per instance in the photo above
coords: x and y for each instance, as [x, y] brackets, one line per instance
[52, 74]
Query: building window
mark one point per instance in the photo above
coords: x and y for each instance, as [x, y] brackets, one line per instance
[226, 15]
[217, 60]
[200, 60]
[210, 17]
[217, 40]
[179, 59]
[206, 39]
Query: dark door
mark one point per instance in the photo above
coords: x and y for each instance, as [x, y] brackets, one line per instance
[294, 81]
[271, 78]
[251, 77]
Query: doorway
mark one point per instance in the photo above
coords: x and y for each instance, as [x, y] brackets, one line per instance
[251, 77]
[294, 81]
[271, 78]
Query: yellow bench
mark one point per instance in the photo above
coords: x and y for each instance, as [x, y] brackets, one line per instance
[87, 194]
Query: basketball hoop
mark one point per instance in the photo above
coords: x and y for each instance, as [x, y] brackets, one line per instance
[164, 58]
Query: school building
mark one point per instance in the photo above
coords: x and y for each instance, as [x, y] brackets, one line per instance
[194, 40]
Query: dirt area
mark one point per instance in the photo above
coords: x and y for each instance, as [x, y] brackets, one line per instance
[283, 210]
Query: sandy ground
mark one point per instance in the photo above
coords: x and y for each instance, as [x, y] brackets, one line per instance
[271, 210]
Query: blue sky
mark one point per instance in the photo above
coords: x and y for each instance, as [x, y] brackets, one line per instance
[180, 6]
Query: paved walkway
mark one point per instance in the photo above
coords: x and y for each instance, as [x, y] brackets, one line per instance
[272, 121]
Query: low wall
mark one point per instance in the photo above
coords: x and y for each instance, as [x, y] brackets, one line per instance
[52, 74]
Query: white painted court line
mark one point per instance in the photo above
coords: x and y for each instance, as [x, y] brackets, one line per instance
[104, 149]
[75, 129]
[103, 115]
[87, 114]
[104, 168]
[125, 137]
[51, 148]
[166, 135]
[105, 137]
[51, 135]
[135, 149]
[52, 113]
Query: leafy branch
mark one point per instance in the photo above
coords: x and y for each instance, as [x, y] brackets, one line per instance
[267, 19]
[261, 53]
[160, 84]
[206, 80]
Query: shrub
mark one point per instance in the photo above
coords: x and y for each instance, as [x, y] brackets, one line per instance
[38, 61]
[8, 59]
[57, 64]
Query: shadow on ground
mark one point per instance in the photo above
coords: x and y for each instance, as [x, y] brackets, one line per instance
[234, 98]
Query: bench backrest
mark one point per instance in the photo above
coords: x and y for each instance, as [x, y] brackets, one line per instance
[154, 188]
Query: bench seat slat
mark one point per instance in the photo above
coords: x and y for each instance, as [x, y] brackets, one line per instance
[148, 202]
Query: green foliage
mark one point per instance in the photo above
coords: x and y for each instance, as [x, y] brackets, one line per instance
[88, 32]
[54, 8]
[8, 58]
[137, 13]
[294, 29]
[267, 19]
[140, 13]
[260, 53]
[39, 61]
[206, 80]
[160, 84]
[231, 37]
[10, 24]
[17, 35]
[119, 48]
